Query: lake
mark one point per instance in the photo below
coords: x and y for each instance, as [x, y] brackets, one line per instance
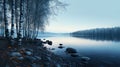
[102, 53]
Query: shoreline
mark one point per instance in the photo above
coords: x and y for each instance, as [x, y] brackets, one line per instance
[32, 54]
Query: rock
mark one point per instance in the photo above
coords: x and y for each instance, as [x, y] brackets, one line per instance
[28, 53]
[38, 58]
[30, 59]
[15, 54]
[85, 60]
[20, 58]
[35, 65]
[29, 50]
[58, 65]
[49, 42]
[60, 47]
[71, 50]
[47, 58]
[74, 55]
[52, 48]
[24, 51]
[16, 60]
[16, 57]
[40, 43]
[60, 44]
[44, 42]
[44, 47]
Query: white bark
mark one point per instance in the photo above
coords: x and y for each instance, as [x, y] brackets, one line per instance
[5, 19]
[12, 19]
[21, 22]
[17, 14]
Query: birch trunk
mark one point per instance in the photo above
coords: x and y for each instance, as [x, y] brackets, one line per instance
[16, 17]
[21, 22]
[5, 19]
[12, 19]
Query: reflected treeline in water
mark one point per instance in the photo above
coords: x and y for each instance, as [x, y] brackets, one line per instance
[109, 34]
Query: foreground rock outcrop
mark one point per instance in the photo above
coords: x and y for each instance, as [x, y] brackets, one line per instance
[32, 53]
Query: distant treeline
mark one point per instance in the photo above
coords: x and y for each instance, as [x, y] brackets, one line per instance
[99, 33]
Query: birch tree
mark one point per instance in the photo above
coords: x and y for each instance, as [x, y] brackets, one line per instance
[21, 22]
[12, 21]
[1, 19]
[30, 17]
[5, 19]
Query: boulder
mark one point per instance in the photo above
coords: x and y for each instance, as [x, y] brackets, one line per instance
[30, 59]
[28, 53]
[49, 42]
[74, 55]
[25, 51]
[85, 60]
[15, 54]
[60, 44]
[60, 47]
[20, 58]
[52, 48]
[71, 50]
[16, 57]
[38, 58]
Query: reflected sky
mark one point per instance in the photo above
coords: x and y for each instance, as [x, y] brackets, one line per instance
[105, 53]
[79, 41]
[86, 14]
[86, 46]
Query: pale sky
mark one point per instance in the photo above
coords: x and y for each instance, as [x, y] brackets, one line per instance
[86, 14]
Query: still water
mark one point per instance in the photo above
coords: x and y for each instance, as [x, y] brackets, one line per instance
[102, 53]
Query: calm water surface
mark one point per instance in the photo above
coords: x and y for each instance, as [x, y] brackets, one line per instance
[102, 53]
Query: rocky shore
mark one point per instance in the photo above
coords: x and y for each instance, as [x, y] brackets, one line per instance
[33, 53]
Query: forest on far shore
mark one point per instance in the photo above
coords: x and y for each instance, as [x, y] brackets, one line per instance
[99, 33]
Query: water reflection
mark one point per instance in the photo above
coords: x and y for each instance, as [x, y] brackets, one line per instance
[102, 38]
[104, 52]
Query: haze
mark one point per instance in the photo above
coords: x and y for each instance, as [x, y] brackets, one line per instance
[86, 14]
